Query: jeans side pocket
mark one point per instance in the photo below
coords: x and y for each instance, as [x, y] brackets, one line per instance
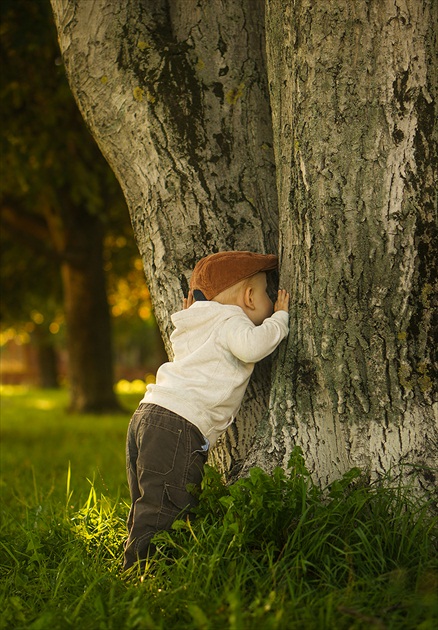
[160, 448]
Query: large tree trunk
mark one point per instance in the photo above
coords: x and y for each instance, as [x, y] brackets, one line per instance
[354, 98]
[47, 359]
[176, 95]
[88, 324]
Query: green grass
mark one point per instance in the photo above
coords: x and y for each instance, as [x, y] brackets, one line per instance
[269, 552]
[40, 439]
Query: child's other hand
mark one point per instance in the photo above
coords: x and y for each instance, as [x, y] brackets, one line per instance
[188, 301]
[282, 303]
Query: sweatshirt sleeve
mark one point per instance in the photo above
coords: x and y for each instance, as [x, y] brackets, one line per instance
[251, 343]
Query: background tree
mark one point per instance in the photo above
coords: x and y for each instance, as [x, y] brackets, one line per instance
[176, 94]
[58, 199]
[31, 300]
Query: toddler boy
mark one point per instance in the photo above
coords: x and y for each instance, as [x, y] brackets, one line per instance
[228, 323]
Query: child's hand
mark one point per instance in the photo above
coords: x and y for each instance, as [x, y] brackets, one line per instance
[282, 303]
[188, 301]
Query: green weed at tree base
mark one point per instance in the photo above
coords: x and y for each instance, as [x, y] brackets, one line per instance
[293, 553]
[268, 552]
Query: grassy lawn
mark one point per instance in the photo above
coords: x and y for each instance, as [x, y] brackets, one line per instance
[269, 552]
[40, 441]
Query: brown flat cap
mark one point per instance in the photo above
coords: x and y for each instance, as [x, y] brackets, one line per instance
[217, 272]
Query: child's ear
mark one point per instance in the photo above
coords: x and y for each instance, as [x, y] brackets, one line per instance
[248, 297]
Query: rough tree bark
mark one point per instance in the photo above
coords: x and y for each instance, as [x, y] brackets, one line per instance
[354, 100]
[176, 95]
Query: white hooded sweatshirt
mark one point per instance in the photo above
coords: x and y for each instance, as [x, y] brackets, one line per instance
[215, 347]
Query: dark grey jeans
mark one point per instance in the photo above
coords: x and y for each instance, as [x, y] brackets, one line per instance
[164, 453]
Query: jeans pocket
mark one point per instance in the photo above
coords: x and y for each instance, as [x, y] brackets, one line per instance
[159, 447]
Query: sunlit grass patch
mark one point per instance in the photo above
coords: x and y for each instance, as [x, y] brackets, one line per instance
[43, 403]
[39, 438]
[13, 390]
[101, 525]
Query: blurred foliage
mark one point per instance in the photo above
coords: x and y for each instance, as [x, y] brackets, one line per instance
[47, 152]
[52, 173]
